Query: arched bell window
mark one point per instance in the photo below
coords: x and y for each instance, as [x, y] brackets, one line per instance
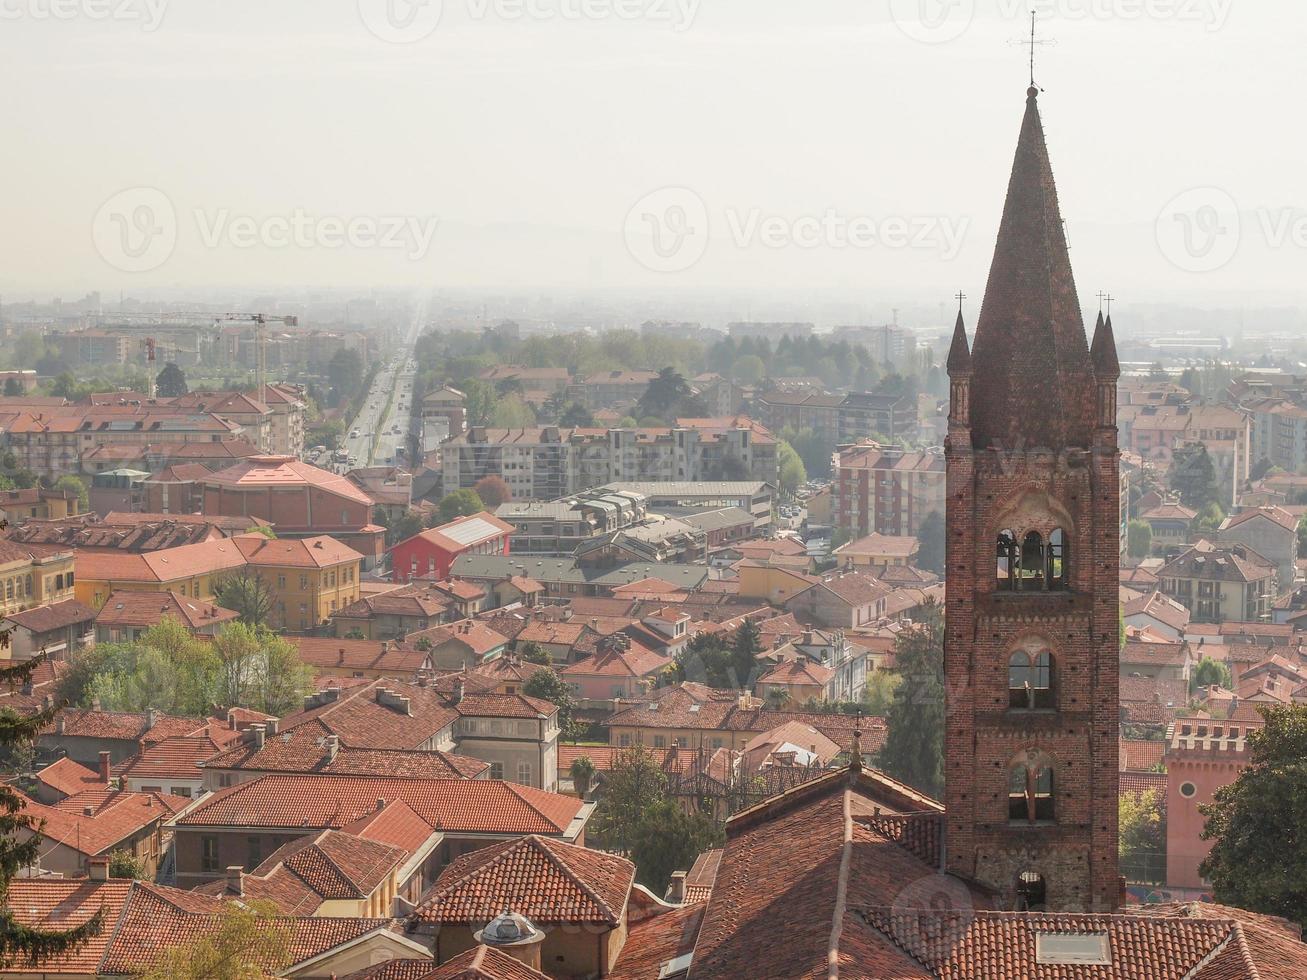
[1006, 551]
[1030, 793]
[1030, 681]
[1059, 576]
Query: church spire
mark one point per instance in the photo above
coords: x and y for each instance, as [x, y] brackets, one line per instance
[1103, 351]
[1033, 380]
[959, 353]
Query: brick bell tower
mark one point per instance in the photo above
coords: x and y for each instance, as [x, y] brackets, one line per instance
[1031, 657]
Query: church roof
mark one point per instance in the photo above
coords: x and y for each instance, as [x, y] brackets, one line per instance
[1033, 377]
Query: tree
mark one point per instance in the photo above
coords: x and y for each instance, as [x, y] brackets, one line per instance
[583, 774]
[124, 864]
[345, 373]
[533, 653]
[403, 527]
[247, 940]
[13, 388]
[1141, 840]
[78, 486]
[1193, 476]
[460, 503]
[513, 413]
[878, 694]
[245, 593]
[1208, 672]
[493, 491]
[914, 747]
[577, 416]
[705, 660]
[1209, 518]
[930, 542]
[166, 668]
[635, 782]
[547, 685]
[65, 386]
[1302, 537]
[19, 942]
[480, 401]
[792, 472]
[1262, 807]
[745, 648]
[749, 369]
[171, 382]
[258, 669]
[668, 839]
[664, 394]
[1139, 538]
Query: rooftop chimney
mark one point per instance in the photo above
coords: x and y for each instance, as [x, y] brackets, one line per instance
[459, 689]
[257, 735]
[104, 766]
[333, 746]
[151, 718]
[676, 889]
[95, 704]
[97, 868]
[381, 803]
[235, 880]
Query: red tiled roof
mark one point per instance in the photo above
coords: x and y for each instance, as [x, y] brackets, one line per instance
[638, 661]
[482, 963]
[126, 608]
[124, 725]
[547, 881]
[51, 903]
[115, 815]
[466, 532]
[56, 615]
[166, 565]
[1140, 755]
[603, 757]
[305, 751]
[398, 659]
[322, 551]
[68, 777]
[476, 634]
[170, 758]
[654, 941]
[798, 672]
[285, 471]
[325, 801]
[361, 719]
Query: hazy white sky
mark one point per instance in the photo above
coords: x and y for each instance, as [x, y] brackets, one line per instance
[850, 145]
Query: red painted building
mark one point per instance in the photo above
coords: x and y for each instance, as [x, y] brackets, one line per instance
[430, 553]
[1204, 755]
[298, 500]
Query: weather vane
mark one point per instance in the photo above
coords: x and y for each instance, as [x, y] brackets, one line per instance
[1032, 42]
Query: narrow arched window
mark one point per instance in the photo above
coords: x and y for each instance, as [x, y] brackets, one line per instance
[1030, 576]
[1059, 571]
[1006, 552]
[1030, 681]
[1030, 793]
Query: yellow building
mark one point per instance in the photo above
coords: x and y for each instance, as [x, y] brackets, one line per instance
[310, 578]
[878, 551]
[775, 583]
[33, 575]
[189, 570]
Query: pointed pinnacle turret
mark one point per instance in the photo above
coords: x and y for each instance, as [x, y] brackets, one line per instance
[1103, 351]
[1033, 377]
[959, 353]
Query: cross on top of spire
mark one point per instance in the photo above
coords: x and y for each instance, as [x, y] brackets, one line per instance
[1032, 43]
[960, 297]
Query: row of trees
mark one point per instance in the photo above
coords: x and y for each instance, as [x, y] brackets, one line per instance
[172, 671]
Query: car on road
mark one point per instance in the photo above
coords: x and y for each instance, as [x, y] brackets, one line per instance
[354, 434]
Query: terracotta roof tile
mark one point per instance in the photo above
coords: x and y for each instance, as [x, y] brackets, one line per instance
[547, 881]
[651, 943]
[322, 801]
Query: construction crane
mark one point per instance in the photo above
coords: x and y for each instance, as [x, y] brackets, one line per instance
[260, 321]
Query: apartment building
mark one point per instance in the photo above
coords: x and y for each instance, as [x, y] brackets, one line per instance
[548, 463]
[864, 415]
[1221, 584]
[559, 527]
[886, 490]
[310, 578]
